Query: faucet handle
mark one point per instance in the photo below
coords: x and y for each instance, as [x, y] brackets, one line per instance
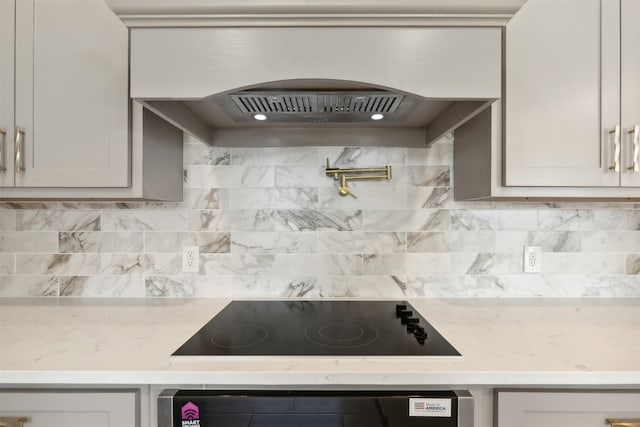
[344, 190]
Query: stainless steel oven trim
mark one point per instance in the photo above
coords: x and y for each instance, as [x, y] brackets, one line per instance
[165, 408]
[465, 408]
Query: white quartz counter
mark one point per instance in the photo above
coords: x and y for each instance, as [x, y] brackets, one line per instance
[503, 342]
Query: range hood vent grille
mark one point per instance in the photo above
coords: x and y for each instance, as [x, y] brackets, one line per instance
[325, 102]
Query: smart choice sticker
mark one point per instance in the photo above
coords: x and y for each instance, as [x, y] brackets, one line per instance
[425, 407]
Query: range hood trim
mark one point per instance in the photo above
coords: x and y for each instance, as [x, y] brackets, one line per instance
[181, 13]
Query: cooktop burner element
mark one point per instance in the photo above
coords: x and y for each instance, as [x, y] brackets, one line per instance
[341, 333]
[317, 328]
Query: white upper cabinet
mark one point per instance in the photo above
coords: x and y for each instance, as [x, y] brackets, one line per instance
[567, 125]
[7, 25]
[70, 124]
[630, 93]
[571, 94]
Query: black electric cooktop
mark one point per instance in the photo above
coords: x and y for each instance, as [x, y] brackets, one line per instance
[317, 328]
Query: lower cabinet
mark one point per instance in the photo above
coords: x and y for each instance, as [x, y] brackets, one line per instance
[566, 408]
[71, 408]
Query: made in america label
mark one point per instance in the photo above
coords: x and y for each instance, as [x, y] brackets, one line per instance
[425, 407]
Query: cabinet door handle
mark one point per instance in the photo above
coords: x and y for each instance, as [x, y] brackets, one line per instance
[635, 144]
[635, 422]
[13, 421]
[3, 134]
[616, 148]
[18, 149]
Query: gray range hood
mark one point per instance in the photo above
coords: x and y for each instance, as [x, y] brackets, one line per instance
[314, 84]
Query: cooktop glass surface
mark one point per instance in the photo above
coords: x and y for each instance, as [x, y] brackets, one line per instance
[317, 328]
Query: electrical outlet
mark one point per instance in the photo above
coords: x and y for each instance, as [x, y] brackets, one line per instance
[190, 259]
[532, 259]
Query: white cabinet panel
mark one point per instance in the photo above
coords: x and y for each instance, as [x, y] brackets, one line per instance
[7, 25]
[566, 409]
[71, 94]
[630, 95]
[562, 93]
[72, 408]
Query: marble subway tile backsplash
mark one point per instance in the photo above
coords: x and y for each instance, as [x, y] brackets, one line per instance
[270, 224]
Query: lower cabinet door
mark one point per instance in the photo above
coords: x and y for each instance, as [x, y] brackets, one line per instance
[571, 408]
[72, 408]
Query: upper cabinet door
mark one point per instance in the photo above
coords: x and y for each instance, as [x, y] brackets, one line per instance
[630, 94]
[562, 94]
[7, 13]
[71, 95]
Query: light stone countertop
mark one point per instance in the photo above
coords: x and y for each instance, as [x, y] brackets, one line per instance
[503, 342]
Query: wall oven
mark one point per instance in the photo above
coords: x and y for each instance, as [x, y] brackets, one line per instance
[315, 408]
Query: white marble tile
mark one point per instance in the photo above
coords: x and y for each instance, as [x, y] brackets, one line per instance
[487, 263]
[611, 241]
[275, 287]
[582, 263]
[7, 264]
[549, 241]
[237, 264]
[274, 198]
[362, 157]
[633, 219]
[188, 286]
[232, 220]
[423, 176]
[434, 286]
[406, 220]
[361, 242]
[480, 286]
[174, 241]
[632, 264]
[369, 287]
[144, 220]
[429, 197]
[102, 286]
[301, 176]
[140, 264]
[368, 197]
[28, 241]
[275, 220]
[603, 219]
[206, 198]
[57, 264]
[100, 242]
[230, 176]
[440, 153]
[516, 219]
[492, 219]
[28, 286]
[451, 241]
[296, 156]
[317, 264]
[559, 220]
[198, 153]
[273, 242]
[45, 220]
[401, 264]
[7, 220]
[318, 220]
[604, 286]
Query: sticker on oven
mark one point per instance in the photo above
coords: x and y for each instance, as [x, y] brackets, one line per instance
[424, 407]
[190, 415]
